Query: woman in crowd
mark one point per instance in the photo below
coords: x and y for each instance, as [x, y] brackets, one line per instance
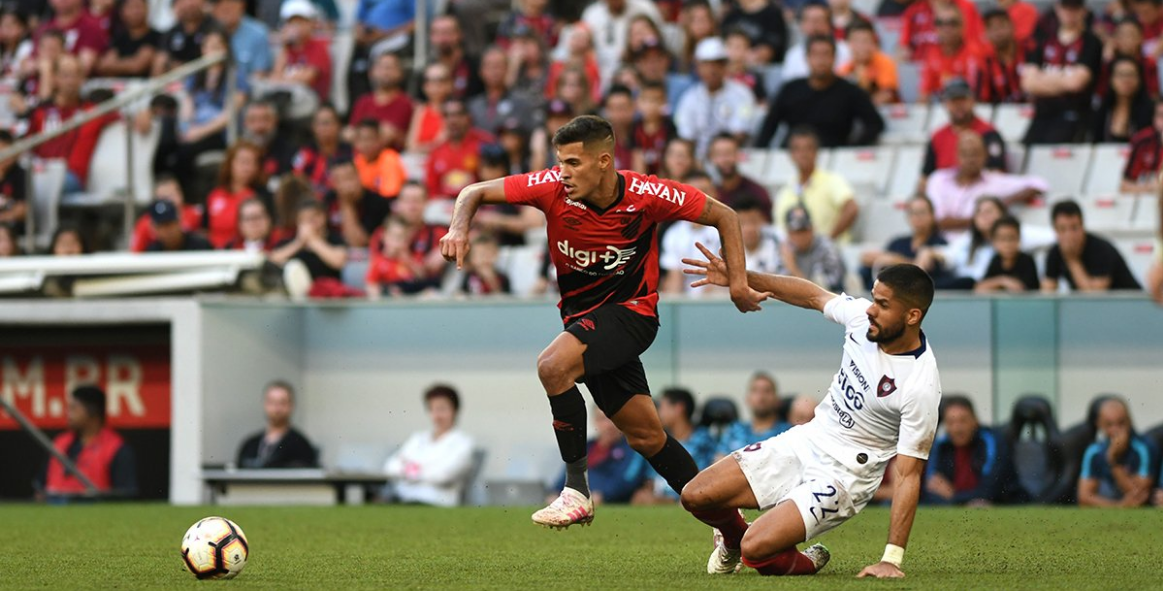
[1127, 107]
[326, 145]
[903, 249]
[678, 159]
[240, 178]
[15, 42]
[427, 128]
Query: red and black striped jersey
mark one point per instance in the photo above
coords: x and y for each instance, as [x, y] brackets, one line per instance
[606, 256]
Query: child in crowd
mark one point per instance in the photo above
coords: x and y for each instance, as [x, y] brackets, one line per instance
[482, 276]
[395, 264]
[653, 128]
[380, 168]
[1010, 269]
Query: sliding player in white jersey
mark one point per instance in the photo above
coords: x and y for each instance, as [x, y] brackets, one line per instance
[882, 403]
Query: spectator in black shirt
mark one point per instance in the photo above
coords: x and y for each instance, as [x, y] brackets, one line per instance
[279, 445]
[168, 233]
[322, 252]
[1127, 106]
[183, 42]
[1089, 263]
[354, 212]
[838, 110]
[1010, 269]
[134, 43]
[13, 188]
[903, 249]
[762, 21]
[1060, 77]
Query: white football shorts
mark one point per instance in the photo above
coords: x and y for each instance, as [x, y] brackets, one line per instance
[790, 467]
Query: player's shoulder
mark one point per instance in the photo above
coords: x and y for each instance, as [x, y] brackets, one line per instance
[647, 186]
[535, 178]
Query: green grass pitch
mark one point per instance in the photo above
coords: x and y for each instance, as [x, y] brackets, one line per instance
[379, 547]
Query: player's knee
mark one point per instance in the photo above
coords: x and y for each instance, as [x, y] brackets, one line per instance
[550, 369]
[754, 548]
[695, 496]
[646, 441]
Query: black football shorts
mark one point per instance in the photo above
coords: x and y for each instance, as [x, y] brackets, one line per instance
[614, 336]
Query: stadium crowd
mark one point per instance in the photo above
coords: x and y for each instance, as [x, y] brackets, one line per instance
[350, 202]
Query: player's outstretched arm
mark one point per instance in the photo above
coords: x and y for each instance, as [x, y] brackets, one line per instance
[790, 290]
[726, 221]
[904, 508]
[454, 245]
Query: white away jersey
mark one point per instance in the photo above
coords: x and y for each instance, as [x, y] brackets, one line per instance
[878, 405]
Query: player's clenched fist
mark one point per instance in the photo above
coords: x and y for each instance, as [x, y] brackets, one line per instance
[454, 246]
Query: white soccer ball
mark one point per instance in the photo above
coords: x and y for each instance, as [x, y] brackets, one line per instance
[215, 548]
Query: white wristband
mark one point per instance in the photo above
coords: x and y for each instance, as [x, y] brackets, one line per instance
[893, 555]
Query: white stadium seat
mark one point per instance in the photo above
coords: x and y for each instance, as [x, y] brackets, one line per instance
[1139, 253]
[1063, 166]
[1106, 169]
[780, 170]
[904, 124]
[1146, 214]
[1011, 121]
[881, 220]
[906, 169]
[909, 79]
[869, 166]
[752, 163]
[1105, 213]
[1015, 158]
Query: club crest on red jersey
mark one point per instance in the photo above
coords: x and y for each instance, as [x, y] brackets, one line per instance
[887, 386]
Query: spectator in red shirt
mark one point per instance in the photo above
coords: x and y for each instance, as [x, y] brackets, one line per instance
[166, 188]
[1024, 17]
[998, 80]
[953, 56]
[919, 30]
[386, 103]
[1127, 42]
[1142, 169]
[957, 98]
[302, 59]
[452, 165]
[77, 146]
[394, 269]
[326, 145]
[1149, 13]
[83, 35]
[481, 275]
[240, 178]
[427, 127]
[255, 228]
[423, 239]
[448, 46]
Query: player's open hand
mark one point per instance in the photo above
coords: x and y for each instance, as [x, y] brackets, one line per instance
[713, 270]
[882, 570]
[454, 247]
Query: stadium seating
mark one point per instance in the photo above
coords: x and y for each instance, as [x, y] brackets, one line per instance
[868, 166]
[1063, 166]
[1011, 121]
[718, 413]
[1033, 436]
[906, 169]
[1106, 169]
[909, 76]
[1108, 213]
[904, 123]
[753, 163]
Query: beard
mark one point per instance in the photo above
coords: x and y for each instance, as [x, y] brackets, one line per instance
[886, 334]
[262, 139]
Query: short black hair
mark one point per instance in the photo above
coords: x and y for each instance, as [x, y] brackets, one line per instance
[861, 25]
[6, 137]
[617, 89]
[909, 283]
[995, 13]
[651, 85]
[338, 161]
[1006, 221]
[443, 391]
[494, 155]
[695, 175]
[414, 183]
[93, 399]
[1068, 207]
[803, 130]
[724, 136]
[681, 396]
[748, 203]
[368, 123]
[277, 384]
[825, 39]
[950, 400]
[587, 129]
[811, 5]
[1129, 20]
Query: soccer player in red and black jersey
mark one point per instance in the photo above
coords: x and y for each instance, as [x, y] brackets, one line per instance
[602, 236]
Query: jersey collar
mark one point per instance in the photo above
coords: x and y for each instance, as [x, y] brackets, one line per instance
[621, 193]
[916, 353]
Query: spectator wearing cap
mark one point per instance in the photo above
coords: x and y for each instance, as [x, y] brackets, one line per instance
[496, 102]
[165, 188]
[829, 198]
[380, 168]
[1060, 78]
[168, 233]
[652, 128]
[326, 144]
[919, 26]
[386, 103]
[98, 452]
[542, 154]
[715, 104]
[764, 24]
[1141, 172]
[969, 464]
[531, 16]
[955, 191]
[427, 127]
[84, 37]
[432, 466]
[952, 56]
[808, 256]
[732, 186]
[278, 445]
[1086, 261]
[1119, 471]
[354, 211]
[183, 42]
[302, 59]
[957, 99]
[608, 21]
[815, 21]
[871, 69]
[998, 80]
[133, 43]
[448, 48]
[250, 39]
[837, 110]
[453, 164]
[678, 243]
[255, 228]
